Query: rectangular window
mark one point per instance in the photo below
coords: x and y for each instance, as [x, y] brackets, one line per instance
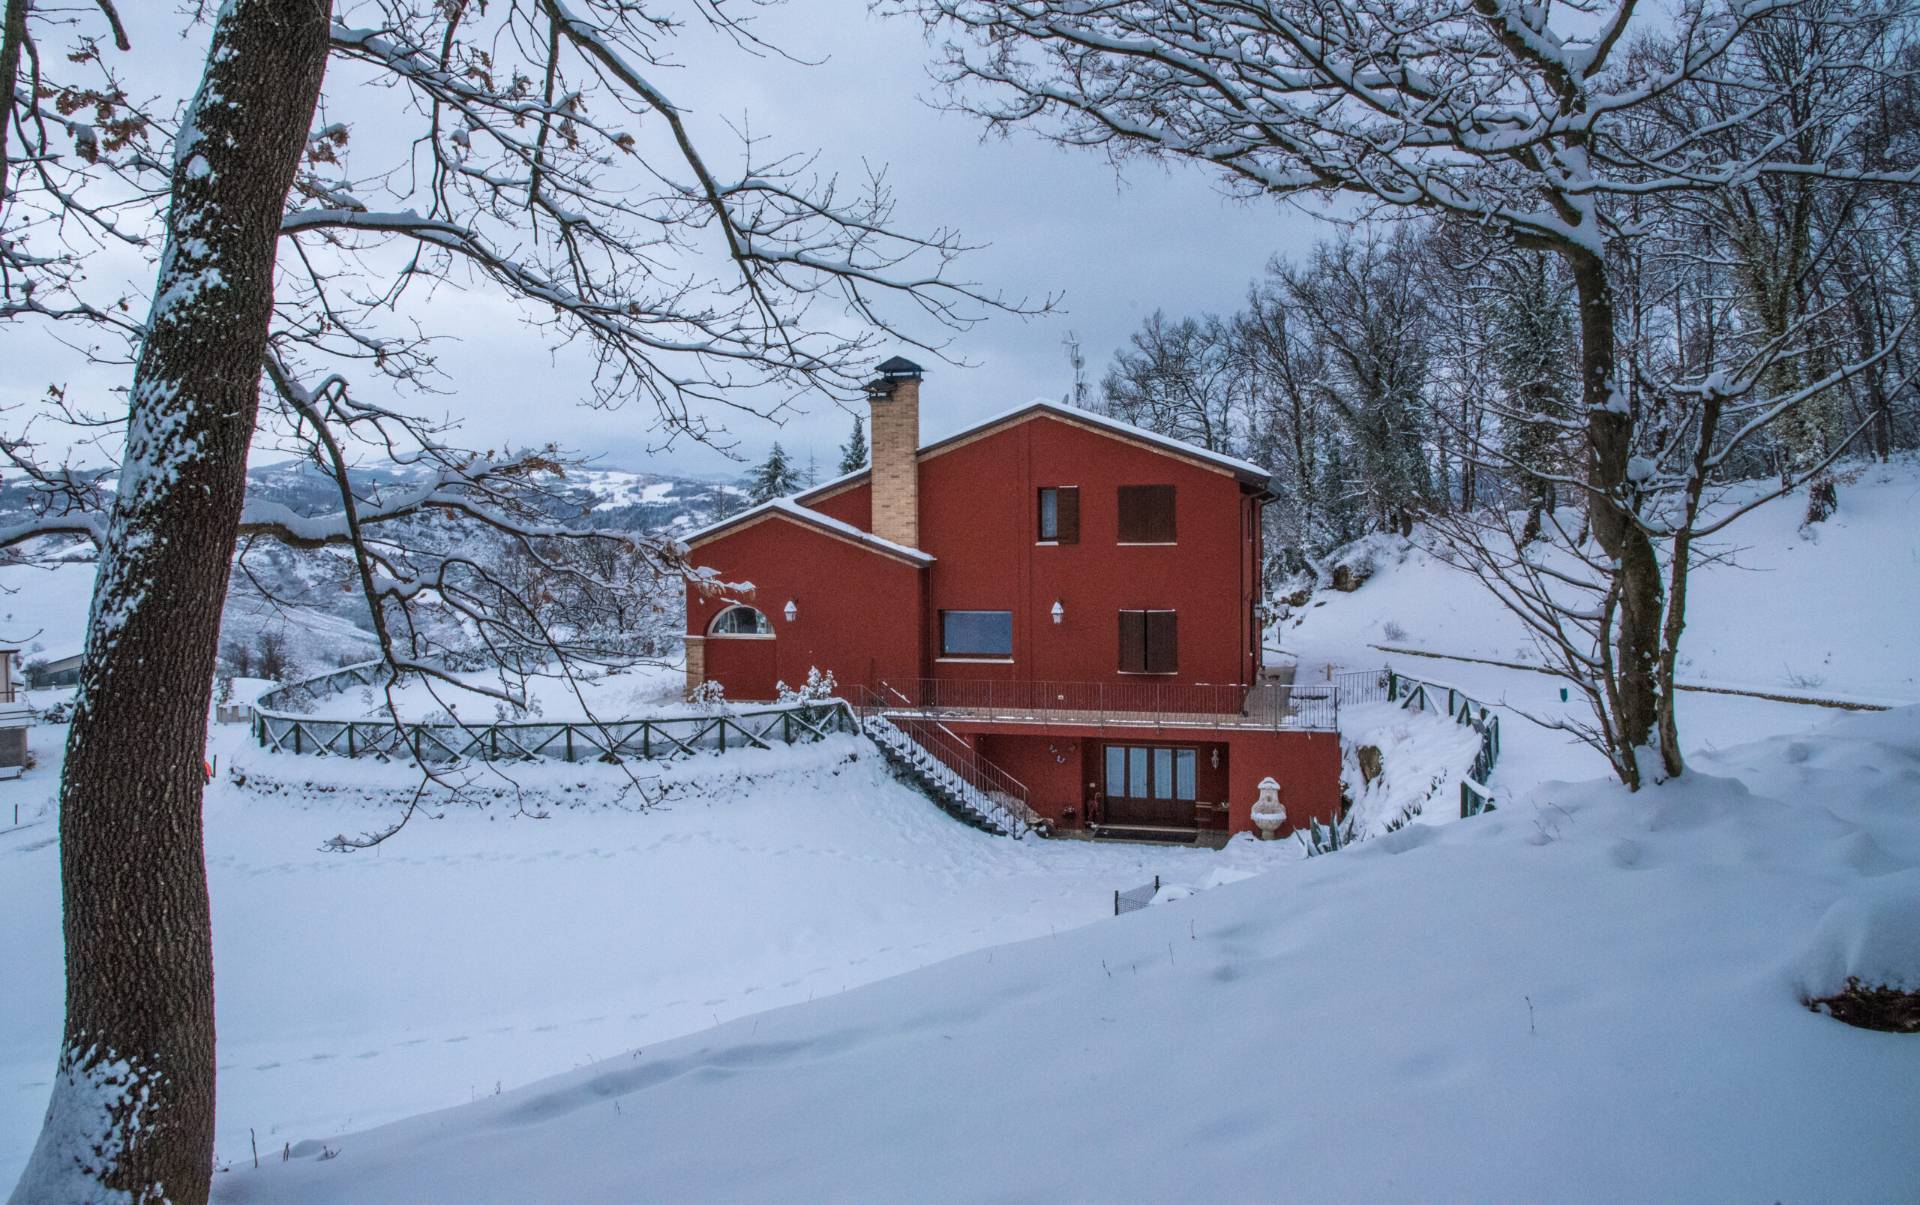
[1151, 772]
[1149, 642]
[976, 633]
[1060, 514]
[1146, 514]
[1163, 774]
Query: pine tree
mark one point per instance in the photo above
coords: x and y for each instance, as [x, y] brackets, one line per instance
[775, 478]
[853, 453]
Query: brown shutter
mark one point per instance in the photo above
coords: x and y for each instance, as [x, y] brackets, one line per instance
[1133, 642]
[1146, 514]
[1067, 514]
[1163, 643]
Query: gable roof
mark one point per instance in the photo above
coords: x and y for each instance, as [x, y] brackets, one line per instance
[1244, 470]
[791, 510]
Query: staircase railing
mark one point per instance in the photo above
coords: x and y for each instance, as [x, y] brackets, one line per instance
[952, 760]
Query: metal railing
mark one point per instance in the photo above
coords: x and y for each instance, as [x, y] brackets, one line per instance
[948, 757]
[1310, 707]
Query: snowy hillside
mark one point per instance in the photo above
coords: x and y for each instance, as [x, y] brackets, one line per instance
[797, 980]
[557, 925]
[1826, 610]
[1586, 996]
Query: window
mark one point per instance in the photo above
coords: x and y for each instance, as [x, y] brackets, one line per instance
[1146, 514]
[1149, 642]
[976, 633]
[1060, 514]
[1151, 772]
[740, 621]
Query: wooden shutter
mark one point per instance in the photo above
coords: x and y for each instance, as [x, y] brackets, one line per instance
[1146, 514]
[1066, 514]
[1163, 642]
[1133, 642]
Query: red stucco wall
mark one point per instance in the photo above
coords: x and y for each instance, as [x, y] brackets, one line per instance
[857, 611]
[978, 517]
[1306, 764]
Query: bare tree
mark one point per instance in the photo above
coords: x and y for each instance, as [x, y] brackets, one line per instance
[1179, 378]
[1505, 113]
[531, 154]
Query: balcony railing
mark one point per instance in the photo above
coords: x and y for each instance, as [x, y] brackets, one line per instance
[1305, 707]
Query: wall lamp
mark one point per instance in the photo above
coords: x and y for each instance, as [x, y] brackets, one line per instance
[1059, 612]
[791, 612]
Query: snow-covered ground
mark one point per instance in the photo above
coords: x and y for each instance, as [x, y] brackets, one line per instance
[488, 949]
[1585, 996]
[1827, 610]
[650, 689]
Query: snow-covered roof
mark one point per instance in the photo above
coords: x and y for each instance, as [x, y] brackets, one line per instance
[1244, 469]
[787, 508]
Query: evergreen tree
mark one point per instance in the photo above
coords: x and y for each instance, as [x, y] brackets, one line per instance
[853, 453]
[775, 478]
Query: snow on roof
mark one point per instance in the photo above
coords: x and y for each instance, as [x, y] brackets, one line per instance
[1072, 414]
[793, 510]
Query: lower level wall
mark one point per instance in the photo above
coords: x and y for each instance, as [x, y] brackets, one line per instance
[1061, 768]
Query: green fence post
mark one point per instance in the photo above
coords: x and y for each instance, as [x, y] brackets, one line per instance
[296, 736]
[646, 741]
[569, 731]
[350, 752]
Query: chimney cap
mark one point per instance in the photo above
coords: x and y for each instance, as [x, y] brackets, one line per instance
[899, 368]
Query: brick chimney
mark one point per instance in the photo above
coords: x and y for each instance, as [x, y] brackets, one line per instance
[894, 399]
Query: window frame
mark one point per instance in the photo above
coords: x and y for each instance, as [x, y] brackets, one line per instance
[1066, 515]
[1149, 758]
[947, 654]
[1159, 528]
[713, 624]
[1167, 621]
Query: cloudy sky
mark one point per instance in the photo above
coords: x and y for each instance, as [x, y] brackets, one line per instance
[1055, 223]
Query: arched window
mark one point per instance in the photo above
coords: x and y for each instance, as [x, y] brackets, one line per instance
[740, 621]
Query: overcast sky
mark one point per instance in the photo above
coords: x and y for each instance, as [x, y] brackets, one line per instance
[1056, 222]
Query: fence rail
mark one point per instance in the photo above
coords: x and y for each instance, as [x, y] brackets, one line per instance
[651, 738]
[1420, 695]
[1310, 707]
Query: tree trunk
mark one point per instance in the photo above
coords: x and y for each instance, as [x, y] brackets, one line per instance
[13, 39]
[131, 1115]
[1609, 448]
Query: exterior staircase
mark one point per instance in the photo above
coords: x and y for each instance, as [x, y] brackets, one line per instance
[945, 769]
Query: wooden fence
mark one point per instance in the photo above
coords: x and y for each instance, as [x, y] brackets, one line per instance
[1417, 694]
[648, 739]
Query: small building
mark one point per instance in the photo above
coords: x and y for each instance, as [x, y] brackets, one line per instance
[15, 717]
[49, 673]
[1071, 601]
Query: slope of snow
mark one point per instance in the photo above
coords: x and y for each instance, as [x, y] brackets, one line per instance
[490, 948]
[1585, 996]
[1827, 610]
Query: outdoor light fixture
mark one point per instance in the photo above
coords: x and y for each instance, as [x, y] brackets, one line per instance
[1059, 612]
[791, 612]
[1216, 757]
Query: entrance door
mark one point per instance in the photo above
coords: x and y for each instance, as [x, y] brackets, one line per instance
[1150, 784]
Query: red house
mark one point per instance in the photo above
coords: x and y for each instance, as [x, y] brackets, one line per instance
[1060, 603]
